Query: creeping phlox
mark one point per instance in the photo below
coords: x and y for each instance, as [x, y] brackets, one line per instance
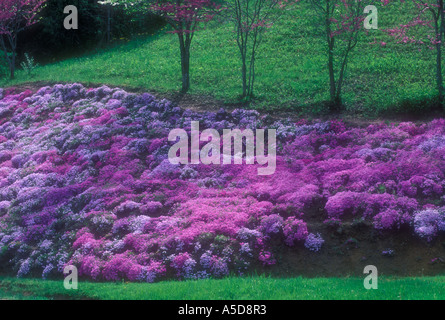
[211, 152]
[86, 180]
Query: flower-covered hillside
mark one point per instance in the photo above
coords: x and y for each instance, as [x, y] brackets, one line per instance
[85, 180]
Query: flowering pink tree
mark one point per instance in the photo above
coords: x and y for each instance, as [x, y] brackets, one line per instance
[184, 16]
[425, 29]
[15, 16]
[340, 22]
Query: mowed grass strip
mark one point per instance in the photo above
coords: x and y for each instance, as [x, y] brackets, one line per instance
[236, 288]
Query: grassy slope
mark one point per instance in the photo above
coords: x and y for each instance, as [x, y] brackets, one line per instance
[257, 287]
[291, 67]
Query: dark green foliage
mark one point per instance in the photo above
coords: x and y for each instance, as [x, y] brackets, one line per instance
[4, 69]
[49, 37]
[49, 40]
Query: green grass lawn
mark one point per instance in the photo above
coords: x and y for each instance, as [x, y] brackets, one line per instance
[291, 67]
[245, 288]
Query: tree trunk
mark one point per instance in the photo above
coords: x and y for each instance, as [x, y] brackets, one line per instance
[338, 100]
[252, 76]
[439, 77]
[13, 56]
[244, 76]
[185, 68]
[332, 86]
[12, 66]
[252, 63]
